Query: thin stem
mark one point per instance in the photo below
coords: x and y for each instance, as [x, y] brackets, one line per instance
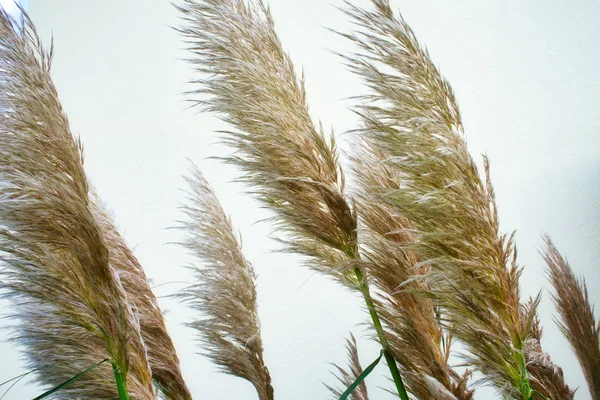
[526, 390]
[391, 362]
[121, 383]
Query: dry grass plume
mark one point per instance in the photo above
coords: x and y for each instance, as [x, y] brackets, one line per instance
[576, 316]
[53, 252]
[411, 115]
[288, 161]
[416, 338]
[162, 356]
[224, 292]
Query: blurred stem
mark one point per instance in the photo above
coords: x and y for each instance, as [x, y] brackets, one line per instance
[121, 383]
[391, 362]
[526, 390]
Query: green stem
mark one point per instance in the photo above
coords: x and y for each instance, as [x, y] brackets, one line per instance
[526, 390]
[121, 383]
[364, 288]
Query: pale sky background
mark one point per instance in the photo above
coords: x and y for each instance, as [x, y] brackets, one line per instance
[526, 78]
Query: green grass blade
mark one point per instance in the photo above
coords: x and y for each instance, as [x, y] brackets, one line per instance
[361, 377]
[364, 288]
[16, 380]
[68, 382]
[17, 377]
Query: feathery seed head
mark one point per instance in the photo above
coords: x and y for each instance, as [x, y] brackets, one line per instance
[162, 356]
[49, 239]
[289, 162]
[225, 291]
[576, 316]
[411, 116]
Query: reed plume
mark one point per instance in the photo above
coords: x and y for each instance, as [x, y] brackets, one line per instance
[416, 338]
[411, 114]
[162, 356]
[576, 316]
[59, 350]
[53, 252]
[288, 161]
[64, 349]
[347, 376]
[224, 292]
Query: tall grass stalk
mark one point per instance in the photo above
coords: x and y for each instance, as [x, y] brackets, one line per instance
[411, 116]
[56, 265]
[416, 339]
[224, 291]
[121, 382]
[391, 362]
[287, 160]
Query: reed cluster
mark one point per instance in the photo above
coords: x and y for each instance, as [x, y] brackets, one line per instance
[416, 236]
[80, 296]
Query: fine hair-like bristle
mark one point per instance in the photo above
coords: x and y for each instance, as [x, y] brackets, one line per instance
[53, 252]
[347, 376]
[411, 114]
[224, 292]
[576, 316]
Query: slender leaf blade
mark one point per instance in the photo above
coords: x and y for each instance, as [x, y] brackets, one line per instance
[361, 377]
[68, 382]
[17, 377]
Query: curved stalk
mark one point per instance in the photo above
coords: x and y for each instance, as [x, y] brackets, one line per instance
[391, 362]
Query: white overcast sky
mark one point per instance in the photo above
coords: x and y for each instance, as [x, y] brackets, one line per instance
[12, 8]
[526, 78]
